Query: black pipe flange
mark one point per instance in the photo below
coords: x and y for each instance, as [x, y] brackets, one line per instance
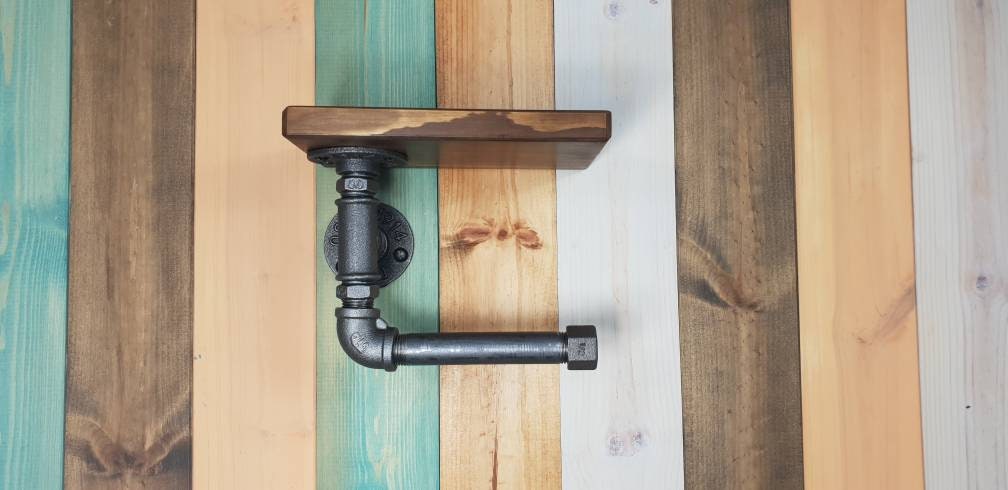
[343, 156]
[395, 244]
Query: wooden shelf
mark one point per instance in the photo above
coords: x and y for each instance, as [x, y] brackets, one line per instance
[457, 138]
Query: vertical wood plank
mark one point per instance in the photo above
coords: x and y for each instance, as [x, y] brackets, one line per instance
[958, 70]
[378, 429]
[500, 425]
[860, 391]
[34, 207]
[129, 345]
[738, 299]
[254, 414]
[622, 424]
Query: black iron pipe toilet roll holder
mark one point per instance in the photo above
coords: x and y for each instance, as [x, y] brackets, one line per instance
[369, 244]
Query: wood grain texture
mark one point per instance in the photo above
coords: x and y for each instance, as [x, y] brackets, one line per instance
[457, 138]
[254, 413]
[129, 345]
[34, 208]
[738, 299]
[860, 391]
[958, 70]
[622, 424]
[500, 425]
[378, 429]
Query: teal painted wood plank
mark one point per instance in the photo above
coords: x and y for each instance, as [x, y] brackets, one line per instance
[378, 429]
[34, 205]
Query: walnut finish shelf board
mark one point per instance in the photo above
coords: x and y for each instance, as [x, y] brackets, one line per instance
[457, 137]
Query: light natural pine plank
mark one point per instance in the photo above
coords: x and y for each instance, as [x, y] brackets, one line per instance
[958, 62]
[34, 208]
[738, 297]
[129, 336]
[500, 425]
[378, 429]
[622, 424]
[860, 391]
[254, 401]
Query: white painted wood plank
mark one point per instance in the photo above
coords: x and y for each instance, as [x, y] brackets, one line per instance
[621, 425]
[958, 60]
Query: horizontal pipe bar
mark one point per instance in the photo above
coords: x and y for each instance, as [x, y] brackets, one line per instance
[480, 348]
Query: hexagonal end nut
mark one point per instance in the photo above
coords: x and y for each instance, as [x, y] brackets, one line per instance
[355, 184]
[582, 347]
[356, 292]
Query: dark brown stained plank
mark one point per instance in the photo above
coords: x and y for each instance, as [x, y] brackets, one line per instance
[457, 137]
[129, 346]
[738, 298]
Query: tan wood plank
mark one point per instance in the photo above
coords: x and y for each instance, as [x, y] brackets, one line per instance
[738, 292]
[254, 400]
[457, 138]
[129, 339]
[500, 425]
[958, 64]
[860, 388]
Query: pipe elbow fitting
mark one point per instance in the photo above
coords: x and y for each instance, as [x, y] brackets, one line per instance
[365, 337]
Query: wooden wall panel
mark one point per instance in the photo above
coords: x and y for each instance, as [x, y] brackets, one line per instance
[254, 413]
[500, 425]
[622, 424]
[34, 208]
[378, 429]
[958, 59]
[860, 389]
[738, 298]
[129, 345]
